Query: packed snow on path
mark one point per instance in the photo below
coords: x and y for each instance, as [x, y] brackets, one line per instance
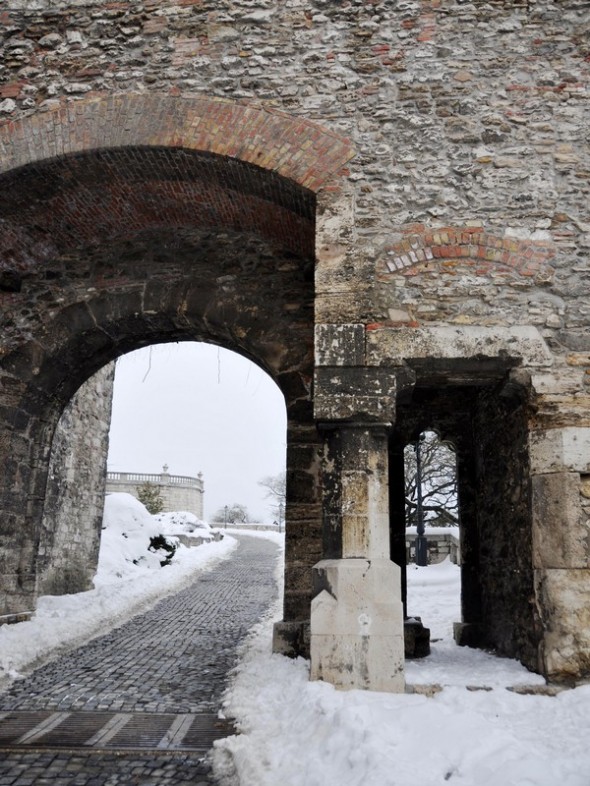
[129, 580]
[301, 733]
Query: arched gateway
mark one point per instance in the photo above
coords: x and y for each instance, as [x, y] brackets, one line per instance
[136, 219]
[140, 219]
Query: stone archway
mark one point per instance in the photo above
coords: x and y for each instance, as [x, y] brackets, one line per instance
[473, 386]
[485, 415]
[135, 220]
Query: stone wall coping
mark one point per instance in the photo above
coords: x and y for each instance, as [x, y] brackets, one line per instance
[162, 479]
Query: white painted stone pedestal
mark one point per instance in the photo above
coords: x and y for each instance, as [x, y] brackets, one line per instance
[357, 625]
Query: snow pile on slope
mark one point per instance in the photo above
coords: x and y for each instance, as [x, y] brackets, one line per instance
[122, 589]
[183, 522]
[127, 528]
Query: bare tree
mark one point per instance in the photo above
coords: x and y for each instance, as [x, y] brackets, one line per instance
[232, 514]
[439, 482]
[276, 490]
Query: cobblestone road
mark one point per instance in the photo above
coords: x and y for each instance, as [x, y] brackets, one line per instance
[173, 659]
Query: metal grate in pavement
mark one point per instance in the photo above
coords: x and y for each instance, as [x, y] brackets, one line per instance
[111, 731]
[13, 725]
[206, 727]
[75, 727]
[141, 731]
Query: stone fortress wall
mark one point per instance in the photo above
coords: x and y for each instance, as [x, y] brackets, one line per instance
[404, 184]
[178, 492]
[72, 517]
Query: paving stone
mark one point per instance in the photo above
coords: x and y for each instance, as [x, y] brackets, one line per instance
[172, 659]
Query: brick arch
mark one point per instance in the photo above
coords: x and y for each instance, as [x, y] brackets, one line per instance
[133, 219]
[481, 252]
[296, 148]
[90, 301]
[94, 199]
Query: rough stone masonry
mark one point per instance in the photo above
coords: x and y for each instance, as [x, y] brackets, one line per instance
[384, 205]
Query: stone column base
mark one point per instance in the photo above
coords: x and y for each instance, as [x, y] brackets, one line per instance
[291, 638]
[469, 634]
[357, 627]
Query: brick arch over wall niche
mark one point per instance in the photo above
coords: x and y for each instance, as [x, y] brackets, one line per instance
[136, 220]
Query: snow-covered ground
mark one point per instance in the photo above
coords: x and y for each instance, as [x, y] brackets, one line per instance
[129, 581]
[297, 733]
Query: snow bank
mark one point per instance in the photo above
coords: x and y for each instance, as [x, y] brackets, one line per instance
[129, 581]
[127, 528]
[299, 733]
[183, 522]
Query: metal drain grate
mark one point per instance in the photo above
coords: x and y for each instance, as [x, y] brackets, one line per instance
[206, 728]
[13, 725]
[142, 731]
[73, 728]
[111, 731]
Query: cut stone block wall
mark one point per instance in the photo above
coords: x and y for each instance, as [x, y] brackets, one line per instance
[177, 491]
[72, 516]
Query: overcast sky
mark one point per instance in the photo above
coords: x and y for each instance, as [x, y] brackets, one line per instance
[199, 408]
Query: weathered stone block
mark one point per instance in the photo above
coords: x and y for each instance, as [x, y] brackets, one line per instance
[564, 599]
[357, 637]
[560, 449]
[561, 534]
[566, 382]
[345, 393]
[340, 345]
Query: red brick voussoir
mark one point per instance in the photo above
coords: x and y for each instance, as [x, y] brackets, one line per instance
[295, 148]
[448, 248]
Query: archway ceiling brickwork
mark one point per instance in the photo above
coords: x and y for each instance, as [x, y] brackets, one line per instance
[162, 284]
[91, 199]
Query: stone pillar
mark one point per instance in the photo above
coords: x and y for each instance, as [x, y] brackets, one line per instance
[560, 459]
[357, 638]
[356, 613]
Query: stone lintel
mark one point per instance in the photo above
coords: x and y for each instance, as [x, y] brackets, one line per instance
[357, 633]
[394, 346]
